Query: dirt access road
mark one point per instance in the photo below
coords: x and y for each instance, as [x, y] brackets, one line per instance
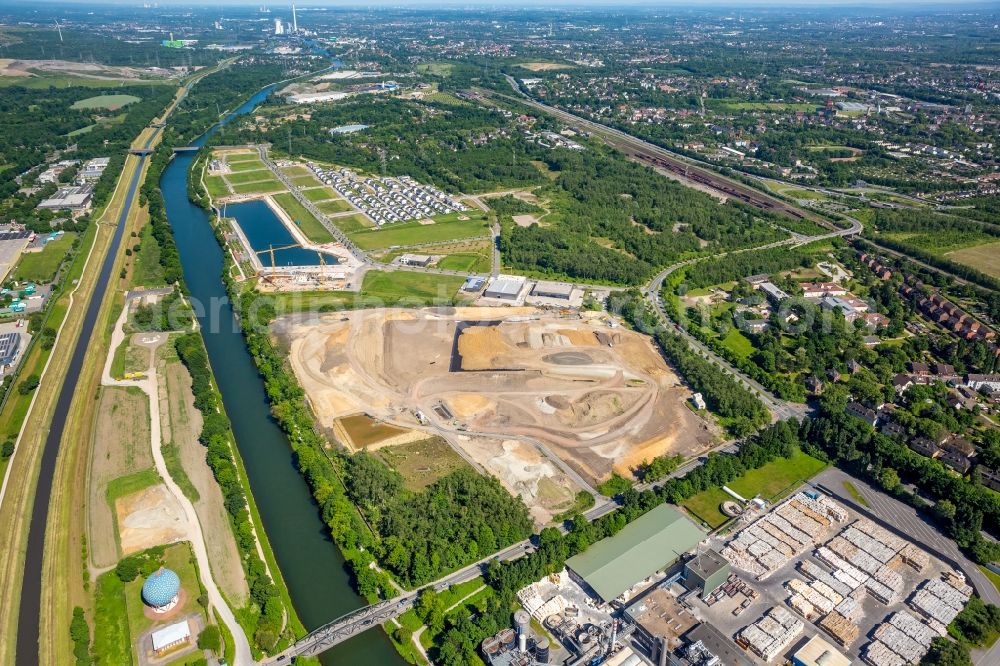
[149, 385]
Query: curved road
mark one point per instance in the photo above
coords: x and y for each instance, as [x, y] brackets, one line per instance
[193, 532]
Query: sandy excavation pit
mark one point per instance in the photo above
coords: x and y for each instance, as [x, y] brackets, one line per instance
[600, 398]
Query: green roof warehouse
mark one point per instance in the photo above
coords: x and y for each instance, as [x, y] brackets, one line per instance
[649, 544]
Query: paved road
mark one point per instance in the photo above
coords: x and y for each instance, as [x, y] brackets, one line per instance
[906, 521]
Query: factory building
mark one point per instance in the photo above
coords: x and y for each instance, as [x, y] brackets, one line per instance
[517, 646]
[552, 290]
[170, 637]
[706, 571]
[505, 287]
[70, 198]
[649, 544]
[10, 345]
[422, 260]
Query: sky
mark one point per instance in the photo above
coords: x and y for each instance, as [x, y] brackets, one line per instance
[538, 4]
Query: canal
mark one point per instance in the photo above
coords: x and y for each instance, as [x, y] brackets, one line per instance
[312, 566]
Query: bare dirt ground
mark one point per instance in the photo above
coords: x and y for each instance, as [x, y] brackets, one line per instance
[600, 398]
[149, 517]
[181, 424]
[526, 472]
[121, 447]
[544, 66]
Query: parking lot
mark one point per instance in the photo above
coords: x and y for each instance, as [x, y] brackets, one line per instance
[387, 200]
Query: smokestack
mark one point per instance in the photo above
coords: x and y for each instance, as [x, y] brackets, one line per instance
[663, 652]
[522, 619]
[295, 22]
[614, 636]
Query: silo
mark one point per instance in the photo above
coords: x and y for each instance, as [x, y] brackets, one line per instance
[542, 650]
[522, 619]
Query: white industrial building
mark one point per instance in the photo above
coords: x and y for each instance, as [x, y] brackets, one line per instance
[506, 288]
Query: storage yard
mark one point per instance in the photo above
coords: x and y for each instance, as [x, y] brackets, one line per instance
[818, 569]
[547, 395]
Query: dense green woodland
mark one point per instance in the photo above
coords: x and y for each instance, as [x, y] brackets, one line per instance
[36, 123]
[266, 610]
[463, 517]
[650, 220]
[223, 91]
[742, 411]
[46, 44]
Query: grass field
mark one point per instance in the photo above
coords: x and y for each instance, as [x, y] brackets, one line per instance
[436, 68]
[985, 258]
[118, 616]
[332, 206]
[396, 286]
[411, 233]
[147, 270]
[257, 175]
[737, 343]
[305, 181]
[421, 463]
[247, 165]
[234, 158]
[351, 223]
[266, 187]
[472, 262]
[297, 171]
[771, 482]
[126, 485]
[943, 242]
[379, 289]
[110, 102]
[42, 266]
[320, 194]
[216, 186]
[310, 226]
[805, 194]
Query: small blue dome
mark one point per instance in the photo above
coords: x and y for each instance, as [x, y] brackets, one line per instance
[160, 588]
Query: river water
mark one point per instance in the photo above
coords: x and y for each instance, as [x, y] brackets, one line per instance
[312, 566]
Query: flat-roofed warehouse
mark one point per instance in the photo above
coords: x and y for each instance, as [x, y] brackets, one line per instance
[648, 544]
[552, 290]
[505, 287]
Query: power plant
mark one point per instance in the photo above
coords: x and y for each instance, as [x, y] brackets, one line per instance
[517, 646]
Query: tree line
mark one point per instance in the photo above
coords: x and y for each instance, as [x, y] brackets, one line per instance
[723, 395]
[267, 612]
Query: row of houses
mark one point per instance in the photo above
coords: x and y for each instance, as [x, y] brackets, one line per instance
[935, 307]
[954, 451]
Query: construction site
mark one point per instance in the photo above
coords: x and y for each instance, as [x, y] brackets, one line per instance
[548, 403]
